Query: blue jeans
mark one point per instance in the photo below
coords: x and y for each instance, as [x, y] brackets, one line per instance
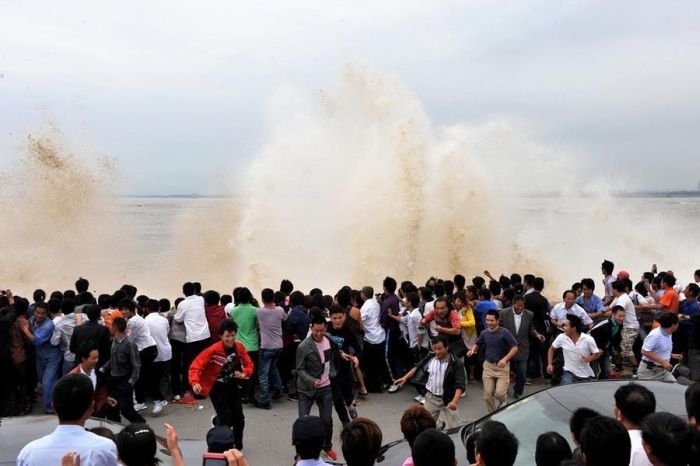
[67, 366]
[268, 374]
[519, 368]
[569, 378]
[48, 365]
[601, 366]
[324, 399]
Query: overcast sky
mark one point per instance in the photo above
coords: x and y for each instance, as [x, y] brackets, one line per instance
[177, 92]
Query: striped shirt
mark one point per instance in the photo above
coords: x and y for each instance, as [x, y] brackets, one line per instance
[658, 342]
[436, 375]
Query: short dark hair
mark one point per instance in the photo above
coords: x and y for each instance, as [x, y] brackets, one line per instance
[228, 325]
[607, 266]
[84, 350]
[119, 323]
[267, 295]
[478, 281]
[496, 444]
[128, 304]
[617, 308]
[93, 312]
[211, 298]
[361, 440]
[529, 279]
[413, 298]
[81, 285]
[103, 301]
[635, 402]
[67, 306]
[335, 309]
[72, 397]
[244, 295]
[485, 294]
[440, 339]
[493, 312]
[39, 295]
[188, 289]
[414, 421]
[692, 401]
[433, 448]
[316, 315]
[390, 284]
[588, 283]
[605, 442]
[517, 298]
[668, 319]
[296, 298]
[538, 284]
[551, 449]
[575, 322]
[669, 280]
[136, 445]
[459, 281]
[578, 420]
[619, 285]
[368, 292]
[286, 286]
[563, 295]
[694, 289]
[669, 438]
[164, 304]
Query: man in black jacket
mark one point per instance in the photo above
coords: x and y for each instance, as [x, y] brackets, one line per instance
[445, 379]
[538, 304]
[92, 332]
[607, 336]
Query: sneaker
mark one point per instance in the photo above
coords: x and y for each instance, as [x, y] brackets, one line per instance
[394, 388]
[463, 394]
[158, 406]
[417, 398]
[331, 454]
[139, 406]
[422, 400]
[293, 397]
[177, 398]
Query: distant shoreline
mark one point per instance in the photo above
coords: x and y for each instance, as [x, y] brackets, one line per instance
[622, 194]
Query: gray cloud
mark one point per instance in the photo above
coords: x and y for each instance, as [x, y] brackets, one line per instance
[179, 92]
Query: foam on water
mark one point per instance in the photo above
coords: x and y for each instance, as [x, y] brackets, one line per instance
[354, 183]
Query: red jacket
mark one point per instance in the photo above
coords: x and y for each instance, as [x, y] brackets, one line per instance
[206, 367]
[215, 314]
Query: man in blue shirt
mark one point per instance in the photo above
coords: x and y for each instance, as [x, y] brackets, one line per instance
[73, 396]
[38, 330]
[590, 302]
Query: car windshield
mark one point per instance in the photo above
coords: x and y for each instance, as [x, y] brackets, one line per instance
[531, 417]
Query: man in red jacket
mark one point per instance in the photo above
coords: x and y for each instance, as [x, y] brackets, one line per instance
[216, 373]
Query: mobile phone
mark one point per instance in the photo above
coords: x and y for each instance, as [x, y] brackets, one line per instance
[214, 459]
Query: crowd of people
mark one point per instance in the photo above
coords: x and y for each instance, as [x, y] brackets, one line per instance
[329, 350]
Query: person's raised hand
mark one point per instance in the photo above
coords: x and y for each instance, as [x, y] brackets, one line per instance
[235, 458]
[171, 438]
[70, 459]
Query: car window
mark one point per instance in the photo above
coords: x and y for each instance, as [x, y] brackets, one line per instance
[531, 417]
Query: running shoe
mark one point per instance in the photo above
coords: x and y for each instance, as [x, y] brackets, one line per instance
[139, 406]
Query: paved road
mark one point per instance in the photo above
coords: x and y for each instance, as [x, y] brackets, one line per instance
[267, 440]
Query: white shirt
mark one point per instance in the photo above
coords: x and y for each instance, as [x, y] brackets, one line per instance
[159, 328]
[517, 318]
[412, 321]
[638, 456]
[573, 352]
[63, 331]
[139, 333]
[436, 375]
[374, 333]
[228, 308]
[92, 376]
[607, 284]
[658, 342]
[630, 314]
[48, 450]
[560, 311]
[191, 312]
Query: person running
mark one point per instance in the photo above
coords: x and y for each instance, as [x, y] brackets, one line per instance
[217, 372]
[580, 349]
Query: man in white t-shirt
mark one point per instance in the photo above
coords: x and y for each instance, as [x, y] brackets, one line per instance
[630, 326]
[579, 349]
[633, 402]
[373, 360]
[159, 328]
[191, 312]
[559, 312]
[607, 268]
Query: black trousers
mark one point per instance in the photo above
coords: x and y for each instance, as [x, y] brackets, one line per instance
[375, 366]
[250, 384]
[192, 350]
[342, 397]
[121, 390]
[226, 398]
[146, 376]
[177, 370]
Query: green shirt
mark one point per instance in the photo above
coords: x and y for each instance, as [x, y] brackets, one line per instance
[245, 316]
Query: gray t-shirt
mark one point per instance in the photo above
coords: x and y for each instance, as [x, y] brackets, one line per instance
[497, 344]
[270, 322]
